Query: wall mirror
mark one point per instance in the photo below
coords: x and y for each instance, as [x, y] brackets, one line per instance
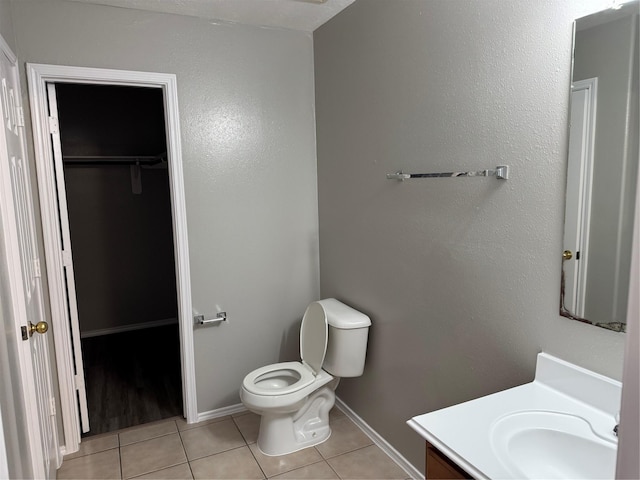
[602, 167]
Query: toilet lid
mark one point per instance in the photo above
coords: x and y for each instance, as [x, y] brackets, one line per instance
[313, 337]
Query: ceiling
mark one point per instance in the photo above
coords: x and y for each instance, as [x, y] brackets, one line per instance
[305, 15]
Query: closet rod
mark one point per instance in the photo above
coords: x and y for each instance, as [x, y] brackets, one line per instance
[501, 172]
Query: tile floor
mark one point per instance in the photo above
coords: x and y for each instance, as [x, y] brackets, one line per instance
[225, 448]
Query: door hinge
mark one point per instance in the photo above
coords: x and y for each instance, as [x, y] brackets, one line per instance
[36, 268]
[79, 380]
[53, 126]
[19, 116]
[67, 260]
[52, 406]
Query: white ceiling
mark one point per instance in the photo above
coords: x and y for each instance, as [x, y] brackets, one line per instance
[305, 15]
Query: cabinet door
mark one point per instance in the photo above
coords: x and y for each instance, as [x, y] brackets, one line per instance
[440, 467]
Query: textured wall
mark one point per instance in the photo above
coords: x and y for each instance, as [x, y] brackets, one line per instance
[6, 25]
[246, 111]
[461, 277]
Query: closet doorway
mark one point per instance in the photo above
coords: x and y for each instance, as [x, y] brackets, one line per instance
[120, 243]
[108, 156]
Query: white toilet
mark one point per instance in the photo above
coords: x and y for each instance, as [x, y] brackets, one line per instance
[294, 398]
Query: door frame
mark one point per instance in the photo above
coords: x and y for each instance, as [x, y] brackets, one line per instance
[579, 189]
[38, 76]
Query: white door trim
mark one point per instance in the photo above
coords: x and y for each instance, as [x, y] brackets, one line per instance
[590, 85]
[584, 100]
[71, 297]
[38, 75]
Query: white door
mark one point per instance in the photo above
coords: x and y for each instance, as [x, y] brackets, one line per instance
[578, 196]
[67, 259]
[23, 267]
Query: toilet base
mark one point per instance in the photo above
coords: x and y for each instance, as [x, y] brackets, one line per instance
[281, 433]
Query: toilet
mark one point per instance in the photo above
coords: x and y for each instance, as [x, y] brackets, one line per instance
[294, 398]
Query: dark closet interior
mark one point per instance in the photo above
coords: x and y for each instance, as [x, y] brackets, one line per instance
[119, 208]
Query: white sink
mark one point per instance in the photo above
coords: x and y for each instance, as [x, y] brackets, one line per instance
[552, 445]
[558, 426]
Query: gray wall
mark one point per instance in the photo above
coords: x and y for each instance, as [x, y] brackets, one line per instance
[6, 25]
[608, 51]
[247, 119]
[461, 277]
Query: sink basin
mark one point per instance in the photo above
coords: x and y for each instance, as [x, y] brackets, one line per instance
[552, 445]
[558, 426]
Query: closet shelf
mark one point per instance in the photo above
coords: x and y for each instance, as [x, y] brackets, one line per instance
[114, 159]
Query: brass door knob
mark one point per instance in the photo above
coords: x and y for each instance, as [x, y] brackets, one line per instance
[40, 327]
[567, 255]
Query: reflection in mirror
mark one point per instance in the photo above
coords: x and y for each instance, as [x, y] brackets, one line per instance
[602, 167]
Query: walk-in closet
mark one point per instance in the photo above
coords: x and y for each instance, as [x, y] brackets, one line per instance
[118, 202]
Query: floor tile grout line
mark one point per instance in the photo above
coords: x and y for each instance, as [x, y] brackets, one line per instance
[242, 434]
[216, 453]
[67, 459]
[159, 470]
[305, 466]
[264, 474]
[120, 458]
[193, 475]
[332, 469]
[184, 448]
[185, 453]
[351, 451]
[150, 438]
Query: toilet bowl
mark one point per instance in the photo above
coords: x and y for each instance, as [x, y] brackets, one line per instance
[281, 386]
[294, 398]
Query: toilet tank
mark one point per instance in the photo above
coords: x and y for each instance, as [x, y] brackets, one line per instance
[347, 343]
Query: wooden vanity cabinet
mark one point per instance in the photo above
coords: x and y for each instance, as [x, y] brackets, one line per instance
[438, 466]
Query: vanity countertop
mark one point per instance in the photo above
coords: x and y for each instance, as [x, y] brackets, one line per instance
[471, 433]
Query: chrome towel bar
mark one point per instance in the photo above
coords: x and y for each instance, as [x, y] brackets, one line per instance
[501, 172]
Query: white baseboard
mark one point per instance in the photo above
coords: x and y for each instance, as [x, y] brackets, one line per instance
[221, 412]
[385, 446]
[128, 328]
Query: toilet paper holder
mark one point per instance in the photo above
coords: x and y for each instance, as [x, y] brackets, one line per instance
[200, 320]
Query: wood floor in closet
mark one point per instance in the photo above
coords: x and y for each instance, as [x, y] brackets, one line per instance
[132, 378]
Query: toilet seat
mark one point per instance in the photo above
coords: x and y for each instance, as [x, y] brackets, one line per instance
[269, 375]
[289, 377]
